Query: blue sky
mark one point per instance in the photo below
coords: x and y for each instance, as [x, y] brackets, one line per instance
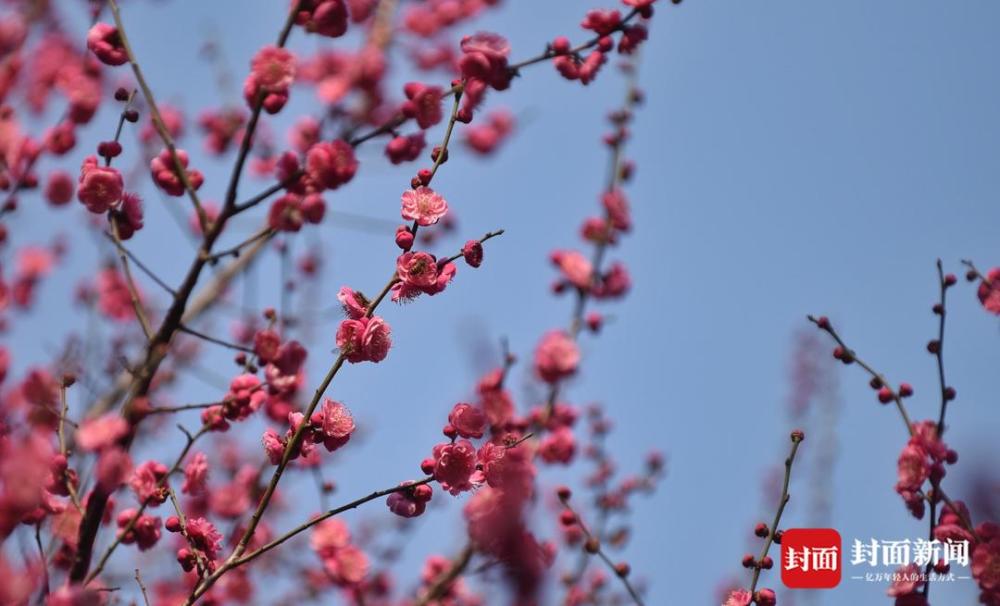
[792, 158]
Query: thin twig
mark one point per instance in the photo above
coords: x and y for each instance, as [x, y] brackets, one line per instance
[129, 282]
[138, 579]
[122, 249]
[593, 543]
[157, 119]
[796, 440]
[211, 339]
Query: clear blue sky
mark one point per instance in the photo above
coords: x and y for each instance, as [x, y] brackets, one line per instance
[792, 157]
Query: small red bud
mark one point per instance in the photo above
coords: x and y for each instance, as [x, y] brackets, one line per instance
[749, 561]
[761, 530]
[905, 390]
[949, 393]
[437, 152]
[404, 237]
[172, 524]
[564, 493]
[950, 280]
[427, 466]
[561, 45]
[885, 395]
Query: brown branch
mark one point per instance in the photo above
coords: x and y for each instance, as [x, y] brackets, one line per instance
[797, 437]
[133, 293]
[138, 579]
[211, 339]
[138, 263]
[157, 118]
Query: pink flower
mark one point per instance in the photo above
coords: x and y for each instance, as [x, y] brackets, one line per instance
[335, 424]
[114, 466]
[558, 446]
[424, 206]
[265, 345]
[165, 174]
[912, 467]
[986, 557]
[556, 356]
[221, 127]
[290, 211]
[376, 340]
[274, 447]
[103, 40]
[424, 104]
[284, 372]
[614, 283]
[330, 536]
[575, 268]
[419, 272]
[146, 483]
[989, 291]
[467, 420]
[454, 465]
[244, 396]
[59, 188]
[128, 215]
[739, 597]
[330, 165]
[100, 187]
[472, 252]
[410, 502]
[602, 22]
[485, 137]
[908, 581]
[105, 430]
[204, 537]
[355, 304]
[323, 17]
[364, 340]
[113, 297]
[484, 59]
[145, 532]
[347, 566]
[616, 206]
[195, 475]
[273, 69]
[405, 148]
